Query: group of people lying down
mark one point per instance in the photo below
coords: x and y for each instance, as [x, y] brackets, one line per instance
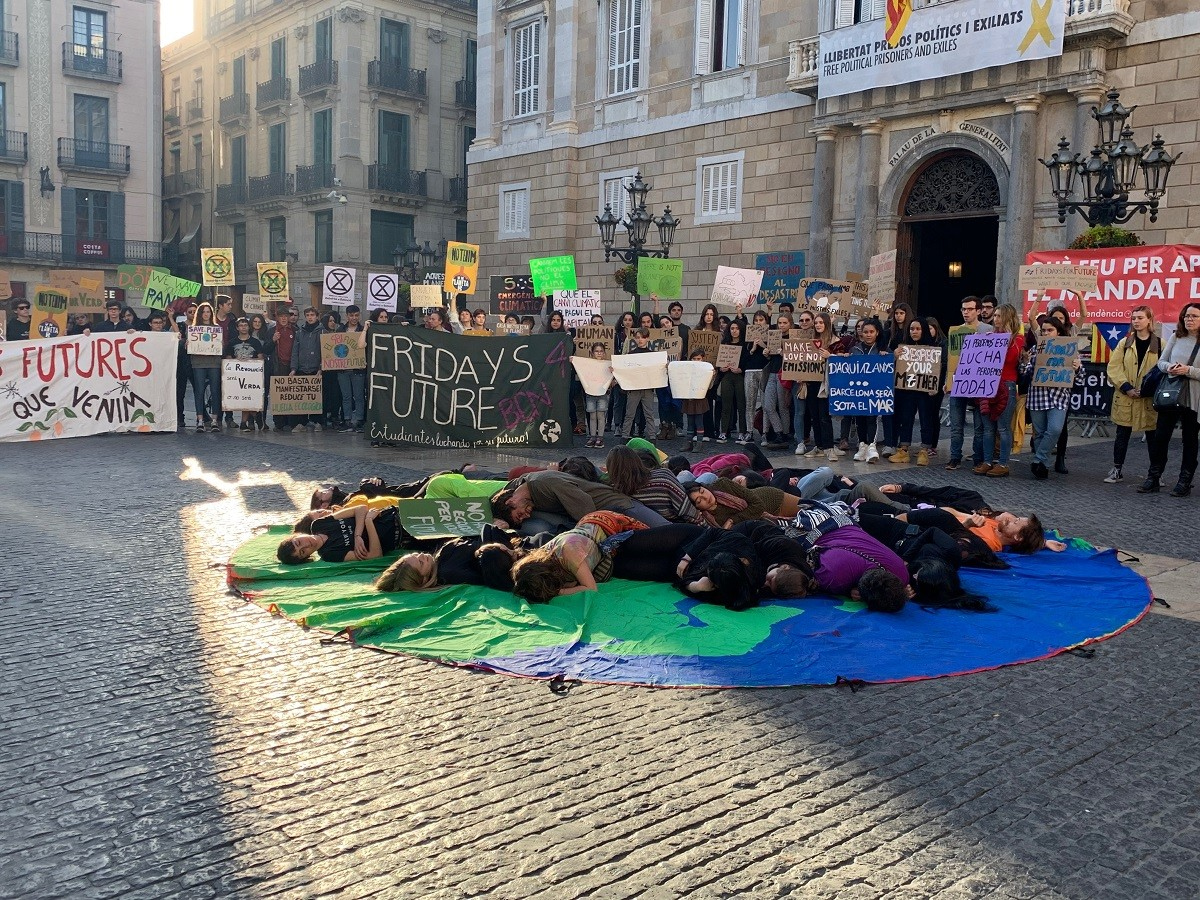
[728, 529]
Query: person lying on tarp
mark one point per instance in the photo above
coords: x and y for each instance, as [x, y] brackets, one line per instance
[573, 561]
[330, 496]
[547, 501]
[947, 495]
[351, 534]
[729, 566]
[725, 502]
[486, 559]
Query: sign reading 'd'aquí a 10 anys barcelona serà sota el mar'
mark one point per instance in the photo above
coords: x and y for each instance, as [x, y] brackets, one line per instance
[435, 389]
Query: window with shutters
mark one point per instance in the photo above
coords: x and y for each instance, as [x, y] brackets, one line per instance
[624, 46]
[514, 211]
[323, 236]
[91, 214]
[852, 12]
[613, 193]
[276, 239]
[721, 34]
[527, 68]
[719, 188]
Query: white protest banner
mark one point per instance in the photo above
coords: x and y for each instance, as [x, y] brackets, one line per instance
[338, 286]
[242, 384]
[980, 365]
[577, 307]
[253, 304]
[939, 40]
[1059, 277]
[382, 291]
[640, 371]
[205, 340]
[881, 283]
[76, 386]
[595, 375]
[690, 380]
[736, 288]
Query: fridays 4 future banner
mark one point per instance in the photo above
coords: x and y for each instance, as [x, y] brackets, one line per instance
[77, 386]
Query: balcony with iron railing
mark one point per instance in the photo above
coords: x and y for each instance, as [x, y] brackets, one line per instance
[93, 156]
[464, 94]
[195, 110]
[394, 180]
[179, 183]
[171, 117]
[231, 196]
[233, 108]
[458, 190]
[14, 147]
[262, 188]
[273, 93]
[385, 76]
[55, 248]
[310, 179]
[320, 76]
[10, 48]
[86, 61]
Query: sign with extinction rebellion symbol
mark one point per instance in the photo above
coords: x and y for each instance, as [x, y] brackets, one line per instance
[217, 265]
[462, 267]
[273, 280]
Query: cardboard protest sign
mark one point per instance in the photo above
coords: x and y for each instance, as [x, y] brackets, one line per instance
[757, 334]
[296, 395]
[1059, 276]
[445, 517]
[337, 286]
[704, 341]
[273, 280]
[162, 290]
[662, 277]
[553, 273]
[217, 266]
[1054, 366]
[242, 383]
[577, 307]
[862, 385]
[918, 368]
[979, 365]
[84, 289]
[640, 371]
[861, 306]
[728, 356]
[668, 341]
[802, 361]
[49, 313]
[736, 288]
[205, 340]
[383, 291]
[511, 328]
[690, 380]
[774, 341]
[595, 375]
[132, 279]
[462, 267]
[514, 294]
[824, 293]
[595, 334]
[5, 285]
[881, 282]
[425, 296]
[435, 389]
[253, 304]
[340, 351]
[781, 276]
[97, 384]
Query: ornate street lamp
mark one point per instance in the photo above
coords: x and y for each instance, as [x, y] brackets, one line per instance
[637, 224]
[1109, 173]
[404, 259]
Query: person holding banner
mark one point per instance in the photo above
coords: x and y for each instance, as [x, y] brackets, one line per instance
[959, 405]
[998, 418]
[1135, 358]
[776, 400]
[206, 376]
[1059, 313]
[1047, 406]
[245, 346]
[868, 345]
[733, 387]
[352, 383]
[623, 338]
[306, 360]
[1179, 361]
[911, 402]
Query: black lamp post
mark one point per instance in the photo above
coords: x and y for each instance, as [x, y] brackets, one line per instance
[637, 226]
[1109, 173]
[405, 260]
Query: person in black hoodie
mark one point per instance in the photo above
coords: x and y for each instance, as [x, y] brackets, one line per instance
[306, 360]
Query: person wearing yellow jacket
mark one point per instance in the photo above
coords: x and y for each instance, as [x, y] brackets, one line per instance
[1134, 357]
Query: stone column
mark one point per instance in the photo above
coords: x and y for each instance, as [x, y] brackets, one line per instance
[563, 62]
[866, 201]
[434, 176]
[490, 106]
[1022, 191]
[820, 235]
[1082, 142]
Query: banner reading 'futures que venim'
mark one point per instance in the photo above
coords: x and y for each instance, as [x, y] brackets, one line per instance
[436, 389]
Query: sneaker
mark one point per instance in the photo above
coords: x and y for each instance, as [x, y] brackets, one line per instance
[801, 450]
[872, 453]
[983, 468]
[317, 426]
[706, 439]
[861, 455]
[953, 465]
[723, 438]
[743, 438]
[200, 429]
[283, 429]
[887, 451]
[922, 457]
[933, 452]
[1114, 476]
[814, 453]
[900, 456]
[246, 426]
[843, 446]
[832, 455]
[998, 471]
[214, 426]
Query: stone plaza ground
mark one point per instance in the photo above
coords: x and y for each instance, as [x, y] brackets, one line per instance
[160, 737]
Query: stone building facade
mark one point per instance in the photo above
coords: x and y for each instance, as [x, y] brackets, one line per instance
[722, 117]
[319, 133]
[80, 175]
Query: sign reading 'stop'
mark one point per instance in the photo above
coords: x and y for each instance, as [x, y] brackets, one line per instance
[944, 39]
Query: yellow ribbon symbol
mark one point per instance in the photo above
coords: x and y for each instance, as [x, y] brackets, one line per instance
[1040, 27]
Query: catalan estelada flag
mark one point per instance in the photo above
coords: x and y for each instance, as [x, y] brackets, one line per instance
[1105, 337]
[898, 12]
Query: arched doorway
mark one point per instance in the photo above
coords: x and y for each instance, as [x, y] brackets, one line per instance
[949, 231]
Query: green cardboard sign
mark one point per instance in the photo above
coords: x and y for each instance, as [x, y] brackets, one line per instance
[662, 277]
[445, 517]
[553, 273]
[162, 290]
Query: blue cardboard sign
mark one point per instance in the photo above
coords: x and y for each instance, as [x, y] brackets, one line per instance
[862, 385]
[781, 276]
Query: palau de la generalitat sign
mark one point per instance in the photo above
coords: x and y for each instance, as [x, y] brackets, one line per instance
[943, 39]
[436, 389]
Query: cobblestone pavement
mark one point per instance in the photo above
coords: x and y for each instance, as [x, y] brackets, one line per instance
[160, 738]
